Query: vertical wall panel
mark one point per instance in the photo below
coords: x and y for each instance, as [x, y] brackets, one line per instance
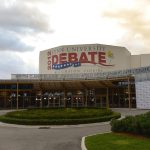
[143, 94]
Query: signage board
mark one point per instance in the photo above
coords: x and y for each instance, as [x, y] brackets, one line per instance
[83, 59]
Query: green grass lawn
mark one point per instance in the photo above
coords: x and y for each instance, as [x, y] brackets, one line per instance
[113, 141]
[59, 116]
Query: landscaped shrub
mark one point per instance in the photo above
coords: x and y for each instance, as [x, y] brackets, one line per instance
[139, 124]
[59, 116]
[60, 113]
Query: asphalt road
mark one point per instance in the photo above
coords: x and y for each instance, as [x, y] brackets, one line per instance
[12, 138]
[54, 138]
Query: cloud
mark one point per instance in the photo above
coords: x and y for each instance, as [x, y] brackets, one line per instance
[18, 20]
[132, 20]
[37, 1]
[10, 42]
[10, 63]
[22, 18]
[136, 23]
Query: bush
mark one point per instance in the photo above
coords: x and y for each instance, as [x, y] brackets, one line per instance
[60, 113]
[139, 124]
[59, 116]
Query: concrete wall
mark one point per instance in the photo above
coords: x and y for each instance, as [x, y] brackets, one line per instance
[145, 60]
[142, 60]
[135, 61]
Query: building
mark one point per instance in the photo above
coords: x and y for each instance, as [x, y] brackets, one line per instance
[91, 75]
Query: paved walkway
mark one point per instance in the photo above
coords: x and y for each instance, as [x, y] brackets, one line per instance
[2, 112]
[126, 111]
[52, 138]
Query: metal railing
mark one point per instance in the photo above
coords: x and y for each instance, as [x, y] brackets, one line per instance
[137, 72]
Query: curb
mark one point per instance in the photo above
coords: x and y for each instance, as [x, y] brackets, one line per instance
[53, 126]
[83, 147]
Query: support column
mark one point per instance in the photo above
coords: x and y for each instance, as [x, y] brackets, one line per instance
[17, 95]
[86, 97]
[5, 98]
[112, 97]
[129, 92]
[65, 98]
[107, 99]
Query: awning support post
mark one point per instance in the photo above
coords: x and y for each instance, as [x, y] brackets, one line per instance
[107, 98]
[129, 92]
[17, 95]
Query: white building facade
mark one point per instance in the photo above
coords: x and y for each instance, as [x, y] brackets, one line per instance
[97, 59]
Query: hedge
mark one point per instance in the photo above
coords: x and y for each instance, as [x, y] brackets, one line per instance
[7, 119]
[139, 124]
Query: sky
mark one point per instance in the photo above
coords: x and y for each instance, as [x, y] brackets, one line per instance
[29, 26]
